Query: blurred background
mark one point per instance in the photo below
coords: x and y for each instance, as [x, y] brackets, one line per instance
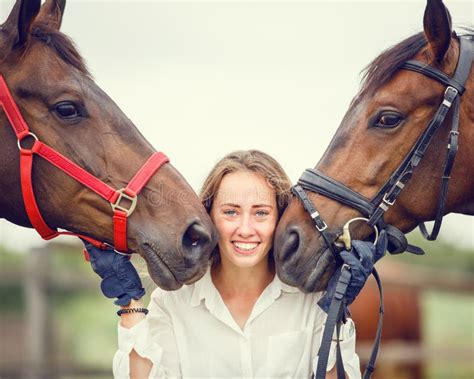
[54, 323]
[200, 79]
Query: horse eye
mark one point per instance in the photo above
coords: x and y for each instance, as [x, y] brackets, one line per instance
[67, 110]
[388, 120]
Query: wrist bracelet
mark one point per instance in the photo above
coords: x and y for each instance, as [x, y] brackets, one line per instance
[132, 310]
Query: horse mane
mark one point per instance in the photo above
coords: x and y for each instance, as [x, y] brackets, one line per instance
[62, 44]
[382, 68]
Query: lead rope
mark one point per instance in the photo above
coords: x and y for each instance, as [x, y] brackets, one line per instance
[336, 316]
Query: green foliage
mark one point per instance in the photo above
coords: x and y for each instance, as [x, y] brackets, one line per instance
[447, 326]
[11, 293]
[88, 329]
[12, 299]
[440, 254]
[11, 259]
[70, 258]
[86, 319]
[83, 321]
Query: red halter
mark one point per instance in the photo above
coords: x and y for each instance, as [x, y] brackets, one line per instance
[114, 197]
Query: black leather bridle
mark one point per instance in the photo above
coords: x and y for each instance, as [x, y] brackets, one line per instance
[315, 181]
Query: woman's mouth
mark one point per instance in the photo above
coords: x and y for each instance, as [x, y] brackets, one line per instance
[245, 248]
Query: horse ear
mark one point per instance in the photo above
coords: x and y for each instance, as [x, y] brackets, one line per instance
[16, 29]
[52, 12]
[437, 26]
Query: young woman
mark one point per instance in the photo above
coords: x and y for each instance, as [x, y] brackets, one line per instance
[239, 320]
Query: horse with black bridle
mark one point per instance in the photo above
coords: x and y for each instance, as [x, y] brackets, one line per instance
[401, 156]
[71, 159]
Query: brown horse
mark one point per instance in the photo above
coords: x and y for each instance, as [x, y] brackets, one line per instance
[386, 118]
[66, 110]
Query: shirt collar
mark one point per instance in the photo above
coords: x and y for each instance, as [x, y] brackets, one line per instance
[277, 287]
[204, 289]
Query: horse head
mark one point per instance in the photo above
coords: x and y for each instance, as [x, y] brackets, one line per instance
[67, 111]
[382, 127]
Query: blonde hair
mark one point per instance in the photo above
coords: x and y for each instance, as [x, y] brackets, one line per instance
[248, 160]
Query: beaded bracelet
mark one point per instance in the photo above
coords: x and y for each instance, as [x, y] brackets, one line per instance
[132, 310]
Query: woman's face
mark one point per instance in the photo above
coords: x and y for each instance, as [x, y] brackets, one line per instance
[245, 214]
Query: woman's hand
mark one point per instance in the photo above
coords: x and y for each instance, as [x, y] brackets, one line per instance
[119, 278]
[361, 259]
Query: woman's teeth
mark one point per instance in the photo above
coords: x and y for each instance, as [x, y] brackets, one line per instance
[245, 246]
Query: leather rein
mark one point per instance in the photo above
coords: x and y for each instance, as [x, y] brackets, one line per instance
[123, 201]
[315, 181]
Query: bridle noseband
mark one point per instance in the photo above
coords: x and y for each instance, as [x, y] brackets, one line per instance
[315, 181]
[122, 201]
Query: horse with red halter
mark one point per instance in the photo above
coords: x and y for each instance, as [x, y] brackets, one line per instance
[391, 161]
[69, 154]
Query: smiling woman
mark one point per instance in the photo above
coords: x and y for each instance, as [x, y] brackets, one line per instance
[245, 213]
[240, 305]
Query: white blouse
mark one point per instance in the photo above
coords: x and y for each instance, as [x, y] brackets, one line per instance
[190, 333]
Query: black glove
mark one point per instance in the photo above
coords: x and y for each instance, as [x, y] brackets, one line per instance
[119, 277]
[361, 259]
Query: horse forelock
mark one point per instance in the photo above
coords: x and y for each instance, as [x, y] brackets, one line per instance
[382, 68]
[61, 44]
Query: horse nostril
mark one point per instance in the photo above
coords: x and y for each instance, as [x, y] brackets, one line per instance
[196, 241]
[291, 244]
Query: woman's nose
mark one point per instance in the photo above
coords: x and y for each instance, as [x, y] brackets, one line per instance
[246, 227]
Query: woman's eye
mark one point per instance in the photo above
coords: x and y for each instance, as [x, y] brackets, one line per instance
[67, 110]
[388, 120]
[262, 213]
[230, 212]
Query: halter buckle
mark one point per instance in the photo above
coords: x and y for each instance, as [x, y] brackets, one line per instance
[449, 96]
[322, 228]
[387, 201]
[123, 195]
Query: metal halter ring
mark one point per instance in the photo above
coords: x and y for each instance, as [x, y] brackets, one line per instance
[345, 237]
[26, 136]
[124, 195]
